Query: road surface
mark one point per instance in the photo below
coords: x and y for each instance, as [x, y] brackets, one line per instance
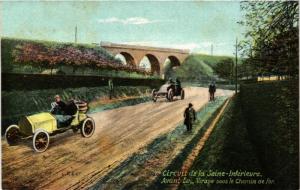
[73, 162]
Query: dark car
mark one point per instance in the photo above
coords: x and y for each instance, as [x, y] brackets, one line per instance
[167, 91]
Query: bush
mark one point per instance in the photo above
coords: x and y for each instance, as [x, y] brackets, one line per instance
[44, 54]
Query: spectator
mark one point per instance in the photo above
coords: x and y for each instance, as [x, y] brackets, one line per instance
[189, 117]
[214, 90]
[111, 88]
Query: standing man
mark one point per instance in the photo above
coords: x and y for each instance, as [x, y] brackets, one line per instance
[189, 117]
[214, 90]
[110, 87]
[211, 91]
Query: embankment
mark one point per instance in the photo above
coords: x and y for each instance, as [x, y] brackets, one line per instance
[271, 111]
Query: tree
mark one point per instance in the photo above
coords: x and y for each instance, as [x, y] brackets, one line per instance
[224, 68]
[271, 38]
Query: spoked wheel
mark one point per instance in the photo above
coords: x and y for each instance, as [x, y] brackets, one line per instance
[182, 94]
[12, 134]
[40, 140]
[170, 95]
[88, 127]
[153, 93]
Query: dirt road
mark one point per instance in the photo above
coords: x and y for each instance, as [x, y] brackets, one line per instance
[72, 161]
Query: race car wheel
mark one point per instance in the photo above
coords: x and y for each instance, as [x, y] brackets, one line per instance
[153, 93]
[182, 94]
[88, 127]
[40, 140]
[12, 134]
[170, 95]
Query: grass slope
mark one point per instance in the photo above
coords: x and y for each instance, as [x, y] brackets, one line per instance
[199, 67]
[210, 60]
[275, 129]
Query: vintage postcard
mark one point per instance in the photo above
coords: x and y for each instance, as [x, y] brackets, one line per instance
[135, 95]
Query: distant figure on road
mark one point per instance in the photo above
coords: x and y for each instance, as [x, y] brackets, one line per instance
[212, 90]
[189, 117]
[111, 88]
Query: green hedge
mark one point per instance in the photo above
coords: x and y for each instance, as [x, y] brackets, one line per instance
[11, 81]
[272, 113]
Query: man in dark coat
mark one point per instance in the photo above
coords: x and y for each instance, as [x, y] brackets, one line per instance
[58, 107]
[211, 90]
[214, 90]
[189, 117]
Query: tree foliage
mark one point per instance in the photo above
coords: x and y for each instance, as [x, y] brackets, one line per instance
[271, 37]
[224, 68]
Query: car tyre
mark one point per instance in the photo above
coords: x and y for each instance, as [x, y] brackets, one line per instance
[40, 140]
[87, 127]
[12, 134]
[170, 95]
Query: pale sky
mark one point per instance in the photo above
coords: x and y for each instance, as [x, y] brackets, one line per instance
[185, 25]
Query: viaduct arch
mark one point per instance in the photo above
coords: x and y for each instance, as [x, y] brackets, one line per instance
[133, 55]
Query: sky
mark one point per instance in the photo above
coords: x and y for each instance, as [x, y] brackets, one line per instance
[193, 25]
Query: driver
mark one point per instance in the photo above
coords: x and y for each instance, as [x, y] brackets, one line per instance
[170, 81]
[177, 85]
[60, 111]
[58, 106]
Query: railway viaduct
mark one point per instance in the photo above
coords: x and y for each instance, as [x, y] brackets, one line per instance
[157, 56]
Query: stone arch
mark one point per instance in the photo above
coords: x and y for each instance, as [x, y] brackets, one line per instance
[128, 57]
[168, 66]
[155, 67]
[174, 61]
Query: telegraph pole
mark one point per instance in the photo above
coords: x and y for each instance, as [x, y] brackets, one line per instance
[236, 60]
[76, 34]
[212, 49]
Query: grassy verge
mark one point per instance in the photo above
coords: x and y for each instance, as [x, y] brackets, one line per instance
[206, 84]
[228, 148]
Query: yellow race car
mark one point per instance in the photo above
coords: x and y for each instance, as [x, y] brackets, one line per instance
[43, 125]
